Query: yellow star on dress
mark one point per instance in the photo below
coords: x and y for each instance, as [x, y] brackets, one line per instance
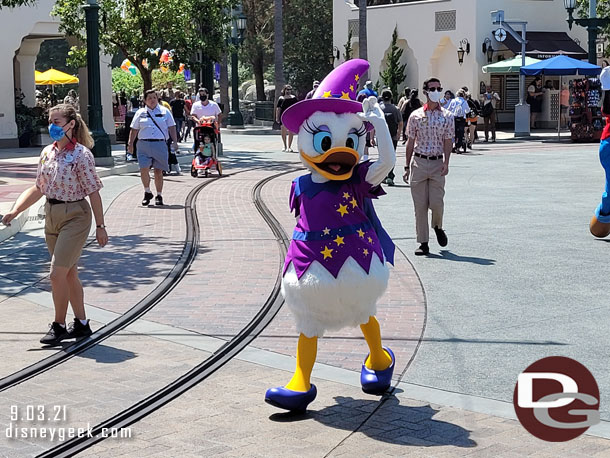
[346, 195]
[326, 231]
[354, 203]
[370, 240]
[343, 210]
[366, 252]
[327, 94]
[360, 233]
[327, 252]
[339, 241]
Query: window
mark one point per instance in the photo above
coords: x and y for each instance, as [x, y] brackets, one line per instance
[444, 20]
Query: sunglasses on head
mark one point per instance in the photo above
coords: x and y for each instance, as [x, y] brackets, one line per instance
[432, 89]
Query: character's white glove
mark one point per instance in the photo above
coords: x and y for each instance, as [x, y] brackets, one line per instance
[373, 113]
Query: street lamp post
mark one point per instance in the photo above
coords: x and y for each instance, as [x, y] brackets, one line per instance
[236, 119]
[592, 23]
[101, 151]
[522, 109]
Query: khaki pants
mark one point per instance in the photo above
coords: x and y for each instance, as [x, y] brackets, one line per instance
[427, 190]
[66, 230]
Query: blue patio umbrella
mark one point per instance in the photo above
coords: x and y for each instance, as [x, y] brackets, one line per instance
[559, 66]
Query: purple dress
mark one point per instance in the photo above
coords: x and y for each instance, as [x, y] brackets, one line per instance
[336, 220]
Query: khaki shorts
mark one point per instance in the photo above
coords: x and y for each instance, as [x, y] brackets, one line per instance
[66, 230]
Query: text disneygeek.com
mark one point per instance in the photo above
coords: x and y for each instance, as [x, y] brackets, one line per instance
[58, 433]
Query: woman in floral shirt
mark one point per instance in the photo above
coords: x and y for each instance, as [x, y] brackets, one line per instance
[66, 175]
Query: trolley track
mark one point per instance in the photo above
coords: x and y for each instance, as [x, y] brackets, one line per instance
[207, 367]
[172, 279]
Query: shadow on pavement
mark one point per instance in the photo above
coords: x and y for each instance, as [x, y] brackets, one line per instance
[393, 423]
[108, 355]
[125, 264]
[449, 256]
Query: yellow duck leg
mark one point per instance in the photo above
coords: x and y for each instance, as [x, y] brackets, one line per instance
[378, 359]
[307, 350]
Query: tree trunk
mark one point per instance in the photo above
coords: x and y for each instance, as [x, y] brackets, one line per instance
[224, 87]
[146, 77]
[362, 41]
[258, 65]
[279, 50]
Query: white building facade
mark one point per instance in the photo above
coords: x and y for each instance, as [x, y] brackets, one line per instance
[431, 31]
[23, 31]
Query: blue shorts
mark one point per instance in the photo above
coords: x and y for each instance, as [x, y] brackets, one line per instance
[153, 153]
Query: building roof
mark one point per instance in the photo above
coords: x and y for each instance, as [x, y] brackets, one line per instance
[542, 45]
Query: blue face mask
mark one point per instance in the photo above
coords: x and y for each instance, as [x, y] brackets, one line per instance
[56, 132]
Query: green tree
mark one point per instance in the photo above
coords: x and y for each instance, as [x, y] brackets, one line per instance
[308, 42]
[348, 46]
[53, 54]
[134, 26]
[123, 81]
[278, 51]
[257, 47]
[394, 74]
[603, 10]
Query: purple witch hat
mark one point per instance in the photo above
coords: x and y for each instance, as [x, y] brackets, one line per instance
[336, 94]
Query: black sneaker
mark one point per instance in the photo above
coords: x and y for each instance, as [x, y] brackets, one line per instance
[441, 237]
[422, 250]
[147, 198]
[158, 200]
[56, 334]
[78, 329]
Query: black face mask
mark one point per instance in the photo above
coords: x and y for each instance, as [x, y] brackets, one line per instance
[203, 97]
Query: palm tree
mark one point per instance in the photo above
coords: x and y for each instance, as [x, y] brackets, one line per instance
[362, 42]
[279, 50]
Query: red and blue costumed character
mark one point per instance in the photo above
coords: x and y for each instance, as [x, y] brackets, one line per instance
[336, 266]
[600, 223]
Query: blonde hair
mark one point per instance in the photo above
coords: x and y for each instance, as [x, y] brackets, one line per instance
[81, 131]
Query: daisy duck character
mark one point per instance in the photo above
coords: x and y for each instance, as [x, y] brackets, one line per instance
[336, 266]
[600, 223]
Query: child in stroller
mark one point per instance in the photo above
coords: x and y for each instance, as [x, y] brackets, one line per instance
[205, 149]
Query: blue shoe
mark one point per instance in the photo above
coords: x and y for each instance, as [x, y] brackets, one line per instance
[377, 382]
[296, 401]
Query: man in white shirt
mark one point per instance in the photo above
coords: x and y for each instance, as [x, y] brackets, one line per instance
[153, 125]
[204, 107]
[460, 110]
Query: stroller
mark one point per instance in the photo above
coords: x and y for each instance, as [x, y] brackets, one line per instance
[206, 126]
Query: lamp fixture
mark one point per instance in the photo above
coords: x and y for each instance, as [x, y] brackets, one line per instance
[463, 49]
[570, 5]
[488, 50]
[336, 54]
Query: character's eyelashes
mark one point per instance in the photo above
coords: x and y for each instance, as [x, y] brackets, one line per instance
[360, 132]
[311, 128]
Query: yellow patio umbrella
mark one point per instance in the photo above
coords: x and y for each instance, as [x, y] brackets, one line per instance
[53, 76]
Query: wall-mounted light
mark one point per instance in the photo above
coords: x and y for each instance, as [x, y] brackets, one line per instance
[335, 55]
[488, 50]
[463, 49]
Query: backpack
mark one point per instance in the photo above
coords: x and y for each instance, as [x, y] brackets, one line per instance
[474, 108]
[390, 120]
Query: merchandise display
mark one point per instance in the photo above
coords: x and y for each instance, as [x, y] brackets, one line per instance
[586, 121]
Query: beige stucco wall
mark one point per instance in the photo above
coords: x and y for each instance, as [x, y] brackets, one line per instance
[428, 52]
[37, 24]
